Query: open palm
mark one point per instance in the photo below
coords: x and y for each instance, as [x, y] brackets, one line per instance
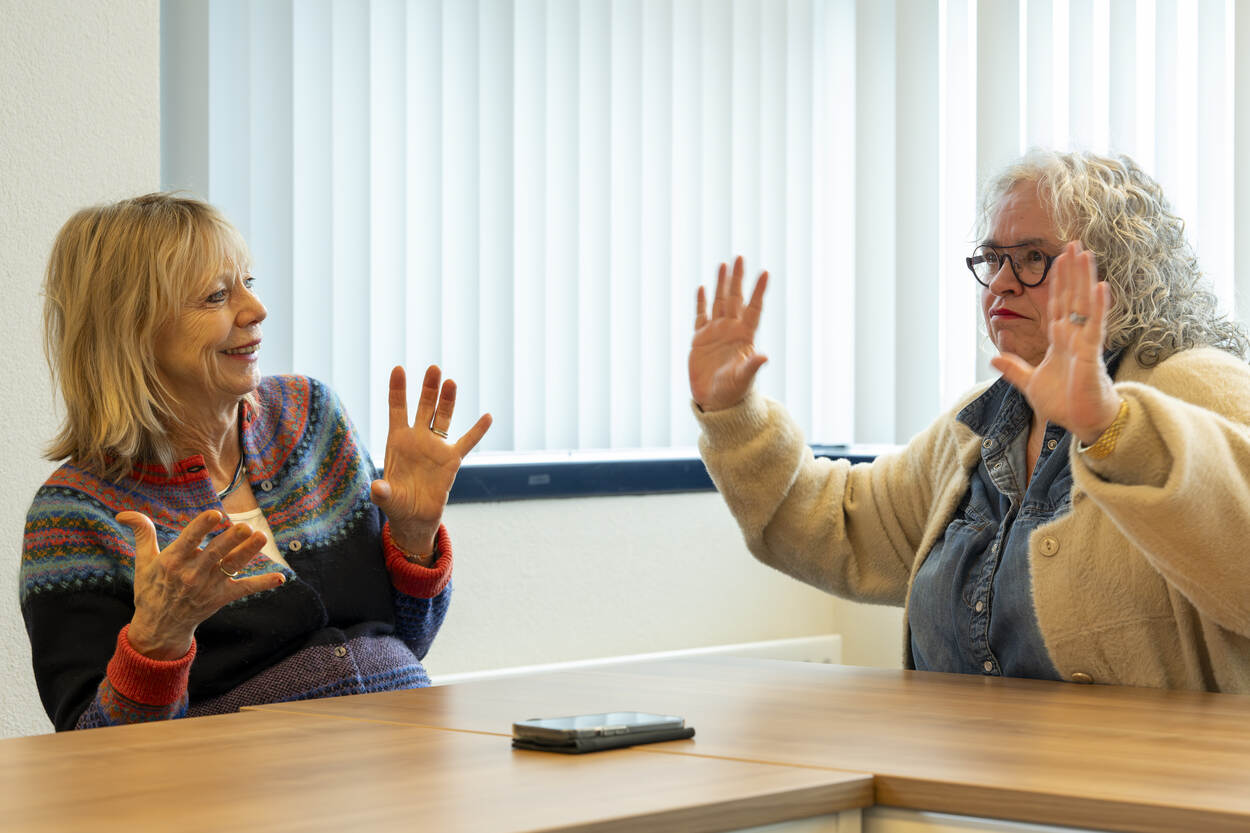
[421, 465]
[723, 360]
[1070, 385]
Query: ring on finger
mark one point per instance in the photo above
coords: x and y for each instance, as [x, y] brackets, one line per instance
[221, 565]
[442, 434]
[1078, 319]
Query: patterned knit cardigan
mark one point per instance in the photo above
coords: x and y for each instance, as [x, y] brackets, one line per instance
[353, 616]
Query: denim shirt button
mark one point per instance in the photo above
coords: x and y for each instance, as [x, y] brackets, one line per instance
[987, 443]
[1051, 443]
[1049, 546]
[980, 606]
[1082, 677]
[988, 666]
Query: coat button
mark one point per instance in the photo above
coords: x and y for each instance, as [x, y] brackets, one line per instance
[1082, 677]
[295, 546]
[266, 485]
[340, 651]
[1049, 546]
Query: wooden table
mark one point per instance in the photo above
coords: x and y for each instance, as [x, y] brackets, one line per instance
[1087, 756]
[273, 772]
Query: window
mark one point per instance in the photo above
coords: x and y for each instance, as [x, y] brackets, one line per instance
[528, 192]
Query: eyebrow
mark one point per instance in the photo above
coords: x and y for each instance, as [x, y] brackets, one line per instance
[1028, 241]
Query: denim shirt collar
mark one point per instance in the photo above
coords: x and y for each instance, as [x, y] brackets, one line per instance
[1002, 411]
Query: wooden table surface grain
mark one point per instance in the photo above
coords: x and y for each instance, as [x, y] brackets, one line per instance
[1094, 756]
[278, 772]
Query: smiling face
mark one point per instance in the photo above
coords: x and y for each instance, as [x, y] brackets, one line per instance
[1015, 314]
[208, 356]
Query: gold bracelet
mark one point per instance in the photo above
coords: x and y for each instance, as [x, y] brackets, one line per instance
[1107, 439]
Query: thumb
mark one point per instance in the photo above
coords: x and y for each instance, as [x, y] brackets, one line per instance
[747, 369]
[1014, 369]
[144, 531]
[380, 493]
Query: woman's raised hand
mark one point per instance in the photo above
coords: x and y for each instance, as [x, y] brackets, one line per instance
[1070, 386]
[180, 586]
[421, 464]
[723, 359]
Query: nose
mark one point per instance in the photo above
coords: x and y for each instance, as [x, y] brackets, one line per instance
[1004, 281]
[251, 310]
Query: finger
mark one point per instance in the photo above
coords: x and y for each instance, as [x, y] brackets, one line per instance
[700, 309]
[718, 300]
[446, 406]
[751, 316]
[188, 541]
[1084, 293]
[734, 308]
[1059, 302]
[144, 531]
[397, 399]
[429, 395]
[474, 435]
[240, 587]
[1014, 369]
[241, 554]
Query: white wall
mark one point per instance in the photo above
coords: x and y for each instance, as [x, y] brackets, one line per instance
[537, 581]
[79, 124]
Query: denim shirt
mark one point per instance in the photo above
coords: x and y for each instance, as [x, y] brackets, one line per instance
[971, 607]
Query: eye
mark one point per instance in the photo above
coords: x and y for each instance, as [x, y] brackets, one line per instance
[990, 257]
[1033, 259]
[218, 297]
[248, 282]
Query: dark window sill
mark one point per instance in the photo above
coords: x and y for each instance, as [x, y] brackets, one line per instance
[523, 476]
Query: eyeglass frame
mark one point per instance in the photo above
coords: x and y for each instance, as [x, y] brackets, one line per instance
[1050, 259]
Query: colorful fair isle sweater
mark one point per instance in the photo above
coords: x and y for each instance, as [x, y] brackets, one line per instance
[353, 616]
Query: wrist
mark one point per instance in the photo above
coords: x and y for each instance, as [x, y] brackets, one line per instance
[1104, 443]
[1110, 411]
[153, 644]
[415, 542]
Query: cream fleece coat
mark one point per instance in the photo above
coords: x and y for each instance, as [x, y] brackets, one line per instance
[1145, 582]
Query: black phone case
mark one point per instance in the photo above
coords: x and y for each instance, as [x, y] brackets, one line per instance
[576, 746]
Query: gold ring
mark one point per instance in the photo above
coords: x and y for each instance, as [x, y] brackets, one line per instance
[226, 572]
[442, 434]
[1078, 319]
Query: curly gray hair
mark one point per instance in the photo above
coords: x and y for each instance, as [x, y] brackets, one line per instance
[1160, 302]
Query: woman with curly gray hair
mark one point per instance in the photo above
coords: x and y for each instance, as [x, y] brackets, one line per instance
[1081, 518]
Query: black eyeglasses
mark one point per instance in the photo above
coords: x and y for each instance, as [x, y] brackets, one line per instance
[1030, 266]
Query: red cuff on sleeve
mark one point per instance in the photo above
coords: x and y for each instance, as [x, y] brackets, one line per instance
[411, 578]
[145, 680]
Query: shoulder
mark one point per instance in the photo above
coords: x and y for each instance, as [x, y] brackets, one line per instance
[1202, 375]
[71, 540]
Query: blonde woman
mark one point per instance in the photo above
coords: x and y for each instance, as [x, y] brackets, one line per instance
[216, 538]
[1082, 518]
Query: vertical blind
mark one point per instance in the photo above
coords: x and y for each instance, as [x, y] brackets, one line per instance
[528, 192]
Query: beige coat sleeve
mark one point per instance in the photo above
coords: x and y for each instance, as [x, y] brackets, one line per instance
[1178, 482]
[850, 530]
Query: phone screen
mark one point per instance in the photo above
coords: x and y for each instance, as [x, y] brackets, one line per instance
[603, 723]
[591, 721]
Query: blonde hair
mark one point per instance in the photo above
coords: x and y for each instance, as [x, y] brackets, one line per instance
[1160, 302]
[118, 274]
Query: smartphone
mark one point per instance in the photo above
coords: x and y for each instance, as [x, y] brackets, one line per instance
[592, 732]
[604, 724]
